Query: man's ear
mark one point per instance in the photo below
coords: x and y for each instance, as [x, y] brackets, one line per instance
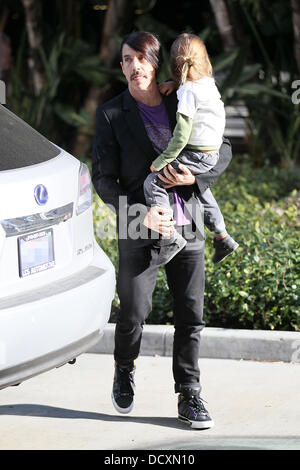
[121, 64]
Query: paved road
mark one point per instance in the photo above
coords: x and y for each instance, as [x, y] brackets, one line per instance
[255, 405]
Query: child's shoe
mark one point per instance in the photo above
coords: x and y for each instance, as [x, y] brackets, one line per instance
[223, 248]
[167, 252]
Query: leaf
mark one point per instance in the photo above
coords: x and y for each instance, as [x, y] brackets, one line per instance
[224, 60]
[69, 115]
[243, 293]
[204, 34]
[234, 73]
[248, 72]
[93, 76]
[256, 89]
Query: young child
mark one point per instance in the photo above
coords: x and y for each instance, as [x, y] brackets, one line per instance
[196, 140]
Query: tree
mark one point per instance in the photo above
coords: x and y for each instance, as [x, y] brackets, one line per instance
[4, 45]
[33, 14]
[223, 23]
[118, 18]
[295, 4]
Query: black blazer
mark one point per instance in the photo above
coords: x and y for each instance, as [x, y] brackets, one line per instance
[123, 153]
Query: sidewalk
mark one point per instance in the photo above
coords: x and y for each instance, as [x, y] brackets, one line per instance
[255, 405]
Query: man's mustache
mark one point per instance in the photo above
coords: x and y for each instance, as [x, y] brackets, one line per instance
[137, 74]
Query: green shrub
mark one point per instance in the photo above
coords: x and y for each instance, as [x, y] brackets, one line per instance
[259, 285]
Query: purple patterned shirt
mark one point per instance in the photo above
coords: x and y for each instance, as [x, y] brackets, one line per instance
[156, 122]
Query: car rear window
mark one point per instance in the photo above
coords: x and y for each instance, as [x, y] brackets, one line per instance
[20, 144]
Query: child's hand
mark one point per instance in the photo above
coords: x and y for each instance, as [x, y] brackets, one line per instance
[152, 168]
[166, 88]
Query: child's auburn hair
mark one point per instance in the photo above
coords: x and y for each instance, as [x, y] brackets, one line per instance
[189, 59]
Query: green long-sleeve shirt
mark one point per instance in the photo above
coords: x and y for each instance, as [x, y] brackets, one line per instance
[177, 143]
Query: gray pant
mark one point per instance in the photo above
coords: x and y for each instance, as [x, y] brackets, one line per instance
[197, 162]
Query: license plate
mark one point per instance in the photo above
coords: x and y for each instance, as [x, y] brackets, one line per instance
[36, 252]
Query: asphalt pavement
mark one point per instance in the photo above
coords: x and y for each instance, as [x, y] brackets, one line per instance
[255, 405]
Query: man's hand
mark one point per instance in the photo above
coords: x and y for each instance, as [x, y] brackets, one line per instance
[152, 168]
[166, 88]
[172, 178]
[155, 220]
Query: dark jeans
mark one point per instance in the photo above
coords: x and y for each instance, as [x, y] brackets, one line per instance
[198, 163]
[135, 286]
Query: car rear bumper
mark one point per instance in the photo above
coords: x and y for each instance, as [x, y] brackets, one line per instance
[16, 374]
[45, 328]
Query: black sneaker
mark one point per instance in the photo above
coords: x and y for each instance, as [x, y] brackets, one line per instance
[123, 388]
[192, 411]
[223, 248]
[167, 252]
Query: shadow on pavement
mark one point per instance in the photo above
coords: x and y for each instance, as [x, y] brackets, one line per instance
[213, 442]
[64, 413]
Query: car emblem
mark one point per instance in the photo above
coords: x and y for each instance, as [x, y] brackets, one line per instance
[41, 194]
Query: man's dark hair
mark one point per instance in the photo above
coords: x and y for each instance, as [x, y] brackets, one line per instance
[146, 43]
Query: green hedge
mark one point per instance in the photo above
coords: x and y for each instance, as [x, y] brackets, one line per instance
[258, 286]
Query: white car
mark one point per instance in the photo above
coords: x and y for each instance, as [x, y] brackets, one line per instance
[56, 283]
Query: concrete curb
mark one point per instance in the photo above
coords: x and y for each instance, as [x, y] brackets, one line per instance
[217, 343]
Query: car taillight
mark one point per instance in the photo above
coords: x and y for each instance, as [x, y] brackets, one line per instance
[85, 190]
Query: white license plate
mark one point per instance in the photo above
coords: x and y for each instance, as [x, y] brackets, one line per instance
[36, 252]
